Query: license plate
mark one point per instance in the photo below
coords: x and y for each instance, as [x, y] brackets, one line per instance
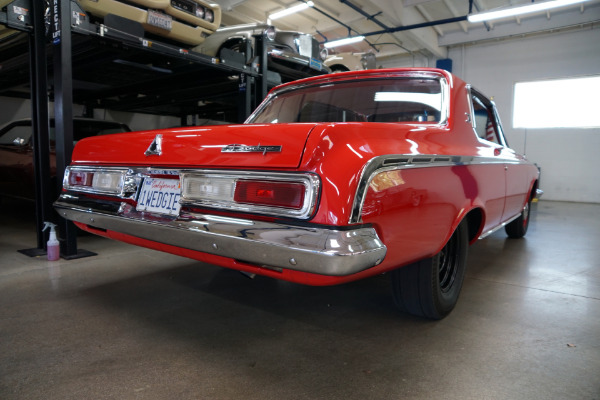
[160, 196]
[316, 64]
[160, 20]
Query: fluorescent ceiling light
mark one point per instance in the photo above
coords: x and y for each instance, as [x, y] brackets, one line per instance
[520, 10]
[341, 42]
[291, 10]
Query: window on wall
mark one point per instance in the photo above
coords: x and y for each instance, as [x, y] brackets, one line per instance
[557, 103]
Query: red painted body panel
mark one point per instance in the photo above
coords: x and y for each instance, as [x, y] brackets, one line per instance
[198, 147]
[413, 210]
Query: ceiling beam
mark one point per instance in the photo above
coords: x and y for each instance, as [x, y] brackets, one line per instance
[456, 13]
[426, 37]
[428, 17]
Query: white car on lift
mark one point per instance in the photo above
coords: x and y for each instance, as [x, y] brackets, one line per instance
[292, 54]
[351, 61]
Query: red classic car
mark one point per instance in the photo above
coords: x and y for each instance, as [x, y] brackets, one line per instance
[332, 179]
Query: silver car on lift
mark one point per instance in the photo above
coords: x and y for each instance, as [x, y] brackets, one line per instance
[293, 55]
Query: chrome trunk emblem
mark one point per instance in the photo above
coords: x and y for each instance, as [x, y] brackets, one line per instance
[242, 148]
[155, 148]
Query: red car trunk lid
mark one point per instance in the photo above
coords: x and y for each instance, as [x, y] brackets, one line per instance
[249, 146]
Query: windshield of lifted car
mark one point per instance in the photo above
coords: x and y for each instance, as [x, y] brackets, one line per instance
[362, 100]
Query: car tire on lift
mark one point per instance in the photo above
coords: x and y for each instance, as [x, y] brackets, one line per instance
[430, 287]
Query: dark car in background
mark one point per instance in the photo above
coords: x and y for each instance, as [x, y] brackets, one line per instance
[17, 177]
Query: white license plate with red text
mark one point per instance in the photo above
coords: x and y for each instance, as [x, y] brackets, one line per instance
[160, 20]
[160, 196]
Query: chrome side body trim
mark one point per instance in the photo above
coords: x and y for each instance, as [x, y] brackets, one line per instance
[502, 225]
[402, 161]
[317, 250]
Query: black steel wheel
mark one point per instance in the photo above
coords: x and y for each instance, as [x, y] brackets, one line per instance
[430, 287]
[518, 228]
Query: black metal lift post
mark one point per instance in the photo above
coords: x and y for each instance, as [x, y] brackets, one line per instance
[63, 115]
[261, 51]
[40, 138]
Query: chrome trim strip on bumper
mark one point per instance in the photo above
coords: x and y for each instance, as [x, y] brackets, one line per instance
[317, 250]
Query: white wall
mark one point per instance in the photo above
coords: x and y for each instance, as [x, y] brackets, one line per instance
[569, 159]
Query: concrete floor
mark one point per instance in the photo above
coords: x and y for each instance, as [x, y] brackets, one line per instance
[132, 323]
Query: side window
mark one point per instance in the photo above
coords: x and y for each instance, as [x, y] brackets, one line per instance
[18, 134]
[485, 125]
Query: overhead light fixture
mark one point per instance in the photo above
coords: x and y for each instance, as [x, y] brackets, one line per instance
[291, 10]
[341, 42]
[521, 10]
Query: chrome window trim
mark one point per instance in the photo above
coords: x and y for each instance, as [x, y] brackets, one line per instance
[471, 116]
[498, 124]
[444, 90]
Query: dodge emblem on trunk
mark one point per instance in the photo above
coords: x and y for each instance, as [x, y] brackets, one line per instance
[242, 148]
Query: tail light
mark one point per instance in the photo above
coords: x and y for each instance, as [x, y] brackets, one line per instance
[278, 194]
[282, 194]
[80, 178]
[95, 180]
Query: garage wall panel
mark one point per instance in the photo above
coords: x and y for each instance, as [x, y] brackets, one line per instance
[568, 157]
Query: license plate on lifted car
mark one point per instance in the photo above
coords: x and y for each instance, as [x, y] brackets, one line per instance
[160, 196]
[160, 20]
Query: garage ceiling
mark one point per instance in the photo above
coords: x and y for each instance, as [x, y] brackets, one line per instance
[368, 16]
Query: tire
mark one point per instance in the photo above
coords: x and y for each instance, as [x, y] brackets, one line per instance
[430, 287]
[518, 228]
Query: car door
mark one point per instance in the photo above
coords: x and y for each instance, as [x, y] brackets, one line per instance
[490, 133]
[491, 151]
[16, 160]
[517, 176]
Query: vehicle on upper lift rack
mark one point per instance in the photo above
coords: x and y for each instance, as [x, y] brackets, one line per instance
[332, 179]
[6, 34]
[342, 62]
[292, 54]
[187, 22]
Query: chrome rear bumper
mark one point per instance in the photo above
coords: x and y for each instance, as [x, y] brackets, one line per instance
[318, 250]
